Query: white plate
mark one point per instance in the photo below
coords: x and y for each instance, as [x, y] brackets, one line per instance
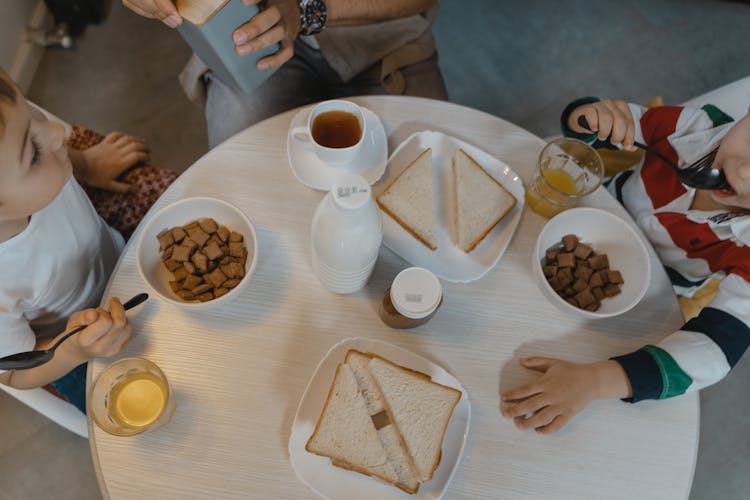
[317, 174]
[334, 482]
[450, 262]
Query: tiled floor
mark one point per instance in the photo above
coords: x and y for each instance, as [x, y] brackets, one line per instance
[522, 61]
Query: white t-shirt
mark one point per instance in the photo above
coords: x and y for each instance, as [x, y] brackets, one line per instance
[58, 265]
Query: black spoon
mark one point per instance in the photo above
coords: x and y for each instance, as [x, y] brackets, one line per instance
[700, 175]
[30, 359]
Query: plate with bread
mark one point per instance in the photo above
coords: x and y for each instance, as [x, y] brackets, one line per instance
[378, 421]
[448, 206]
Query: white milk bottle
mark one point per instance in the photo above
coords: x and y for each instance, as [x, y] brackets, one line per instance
[346, 235]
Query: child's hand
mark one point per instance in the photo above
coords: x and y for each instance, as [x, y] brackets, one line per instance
[562, 391]
[608, 118]
[102, 164]
[106, 335]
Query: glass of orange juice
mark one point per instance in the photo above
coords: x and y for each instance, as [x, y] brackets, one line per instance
[568, 169]
[131, 396]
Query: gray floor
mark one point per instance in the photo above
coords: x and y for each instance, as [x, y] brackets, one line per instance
[522, 61]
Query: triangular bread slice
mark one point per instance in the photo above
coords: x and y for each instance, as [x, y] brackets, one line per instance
[345, 431]
[420, 408]
[410, 200]
[388, 433]
[480, 201]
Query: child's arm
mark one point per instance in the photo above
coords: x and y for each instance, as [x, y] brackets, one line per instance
[100, 165]
[563, 390]
[106, 335]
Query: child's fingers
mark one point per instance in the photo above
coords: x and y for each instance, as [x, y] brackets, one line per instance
[537, 363]
[117, 311]
[538, 419]
[557, 423]
[526, 406]
[113, 137]
[606, 121]
[119, 187]
[134, 157]
[97, 329]
[521, 392]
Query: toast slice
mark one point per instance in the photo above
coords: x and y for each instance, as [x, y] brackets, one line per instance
[410, 200]
[480, 201]
[420, 408]
[345, 431]
[388, 433]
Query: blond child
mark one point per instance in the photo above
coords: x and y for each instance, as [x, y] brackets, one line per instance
[56, 253]
[698, 235]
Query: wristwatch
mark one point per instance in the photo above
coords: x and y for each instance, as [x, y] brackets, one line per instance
[313, 16]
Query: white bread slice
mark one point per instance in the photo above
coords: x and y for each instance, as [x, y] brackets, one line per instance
[421, 410]
[345, 431]
[410, 200]
[480, 201]
[389, 435]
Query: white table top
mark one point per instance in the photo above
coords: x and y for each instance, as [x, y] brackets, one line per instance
[239, 370]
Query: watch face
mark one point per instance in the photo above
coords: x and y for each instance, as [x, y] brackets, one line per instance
[313, 17]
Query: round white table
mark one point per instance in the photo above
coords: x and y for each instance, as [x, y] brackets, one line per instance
[239, 370]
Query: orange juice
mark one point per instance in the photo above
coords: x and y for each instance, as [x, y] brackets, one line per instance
[549, 195]
[138, 400]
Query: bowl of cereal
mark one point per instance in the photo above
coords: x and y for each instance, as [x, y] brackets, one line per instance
[591, 263]
[197, 251]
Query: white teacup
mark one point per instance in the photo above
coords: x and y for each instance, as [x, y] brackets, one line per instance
[331, 155]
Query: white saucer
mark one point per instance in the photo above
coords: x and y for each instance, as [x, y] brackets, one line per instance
[316, 174]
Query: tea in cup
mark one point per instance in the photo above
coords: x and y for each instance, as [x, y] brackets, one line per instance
[335, 131]
[131, 396]
[568, 169]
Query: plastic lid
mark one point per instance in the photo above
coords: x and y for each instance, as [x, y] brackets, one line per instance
[350, 191]
[416, 292]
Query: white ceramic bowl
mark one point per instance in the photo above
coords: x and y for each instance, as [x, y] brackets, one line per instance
[606, 233]
[148, 257]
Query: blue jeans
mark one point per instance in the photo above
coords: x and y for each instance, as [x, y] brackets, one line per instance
[304, 79]
[73, 387]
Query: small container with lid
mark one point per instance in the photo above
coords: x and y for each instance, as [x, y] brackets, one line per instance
[346, 234]
[412, 299]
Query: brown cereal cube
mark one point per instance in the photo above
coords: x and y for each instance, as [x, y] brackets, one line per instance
[181, 253]
[165, 239]
[565, 259]
[568, 291]
[192, 225]
[191, 281]
[554, 282]
[214, 239]
[583, 251]
[571, 301]
[172, 264]
[238, 270]
[593, 307]
[580, 285]
[178, 234]
[598, 262]
[569, 242]
[200, 261]
[549, 271]
[614, 276]
[565, 276]
[189, 267]
[235, 237]
[208, 225]
[582, 272]
[175, 286]
[167, 254]
[598, 293]
[190, 243]
[198, 235]
[226, 260]
[611, 290]
[551, 255]
[223, 233]
[213, 251]
[185, 294]
[231, 283]
[236, 249]
[220, 291]
[226, 269]
[216, 277]
[585, 298]
[180, 274]
[205, 297]
[202, 288]
[597, 279]
[581, 262]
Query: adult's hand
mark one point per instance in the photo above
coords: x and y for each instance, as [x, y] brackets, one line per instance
[279, 22]
[163, 10]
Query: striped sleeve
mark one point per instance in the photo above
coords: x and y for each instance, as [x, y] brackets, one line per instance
[700, 354]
